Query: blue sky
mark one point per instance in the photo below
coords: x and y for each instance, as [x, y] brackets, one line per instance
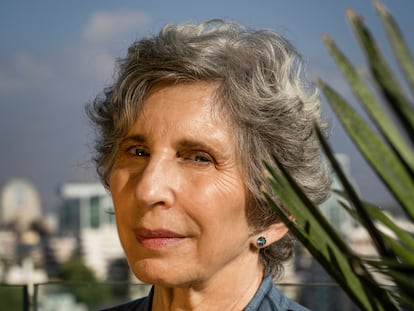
[57, 55]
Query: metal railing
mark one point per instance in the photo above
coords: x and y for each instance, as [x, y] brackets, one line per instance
[81, 296]
[14, 297]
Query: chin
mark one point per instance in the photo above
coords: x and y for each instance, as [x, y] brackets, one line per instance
[156, 272]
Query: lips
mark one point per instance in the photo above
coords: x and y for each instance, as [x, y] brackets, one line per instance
[156, 239]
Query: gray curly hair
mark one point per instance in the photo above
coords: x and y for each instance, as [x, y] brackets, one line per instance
[260, 86]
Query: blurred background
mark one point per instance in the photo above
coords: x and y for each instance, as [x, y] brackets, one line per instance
[56, 56]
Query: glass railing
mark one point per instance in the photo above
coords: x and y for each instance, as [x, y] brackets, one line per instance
[14, 297]
[77, 296]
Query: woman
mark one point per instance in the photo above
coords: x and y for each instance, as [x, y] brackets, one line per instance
[182, 134]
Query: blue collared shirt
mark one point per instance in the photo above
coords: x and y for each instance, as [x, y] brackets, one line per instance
[267, 298]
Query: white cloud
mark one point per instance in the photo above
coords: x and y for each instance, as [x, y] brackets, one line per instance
[105, 37]
[106, 26]
[86, 63]
[23, 72]
[9, 84]
[30, 67]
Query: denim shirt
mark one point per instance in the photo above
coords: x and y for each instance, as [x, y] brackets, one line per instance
[267, 298]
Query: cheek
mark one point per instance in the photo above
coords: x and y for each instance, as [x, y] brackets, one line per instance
[121, 188]
[118, 180]
[228, 190]
[217, 200]
[121, 191]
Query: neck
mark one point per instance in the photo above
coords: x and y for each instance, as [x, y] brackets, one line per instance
[233, 292]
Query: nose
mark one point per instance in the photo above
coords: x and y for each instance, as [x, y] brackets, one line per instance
[157, 183]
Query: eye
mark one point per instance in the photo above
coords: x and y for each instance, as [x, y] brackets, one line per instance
[199, 157]
[138, 151]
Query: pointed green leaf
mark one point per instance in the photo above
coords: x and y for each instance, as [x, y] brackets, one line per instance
[383, 265]
[375, 213]
[383, 75]
[384, 162]
[302, 208]
[401, 51]
[406, 301]
[304, 212]
[354, 199]
[403, 253]
[323, 245]
[353, 285]
[403, 280]
[369, 102]
[404, 236]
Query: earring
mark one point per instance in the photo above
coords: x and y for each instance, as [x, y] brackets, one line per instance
[261, 241]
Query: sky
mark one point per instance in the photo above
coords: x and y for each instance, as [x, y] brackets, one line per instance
[55, 56]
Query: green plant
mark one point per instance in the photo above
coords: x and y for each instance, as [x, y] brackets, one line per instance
[390, 155]
[81, 282]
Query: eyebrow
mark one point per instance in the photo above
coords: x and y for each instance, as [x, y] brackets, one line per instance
[187, 143]
[135, 138]
[184, 143]
[193, 144]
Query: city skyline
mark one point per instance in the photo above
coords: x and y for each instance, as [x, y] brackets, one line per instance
[56, 57]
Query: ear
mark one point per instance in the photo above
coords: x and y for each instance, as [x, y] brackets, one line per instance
[273, 233]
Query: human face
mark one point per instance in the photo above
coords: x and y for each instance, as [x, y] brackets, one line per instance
[178, 191]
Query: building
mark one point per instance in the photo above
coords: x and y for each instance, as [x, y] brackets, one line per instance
[86, 217]
[334, 212]
[85, 206]
[20, 204]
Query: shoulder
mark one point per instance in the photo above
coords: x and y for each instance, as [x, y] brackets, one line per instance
[141, 304]
[269, 298]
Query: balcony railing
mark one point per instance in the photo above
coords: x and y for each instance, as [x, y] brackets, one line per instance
[14, 297]
[80, 296]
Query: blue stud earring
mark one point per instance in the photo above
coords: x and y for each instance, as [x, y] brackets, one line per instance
[261, 241]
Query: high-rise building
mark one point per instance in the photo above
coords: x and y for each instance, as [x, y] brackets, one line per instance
[335, 213]
[86, 215]
[85, 206]
[19, 204]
